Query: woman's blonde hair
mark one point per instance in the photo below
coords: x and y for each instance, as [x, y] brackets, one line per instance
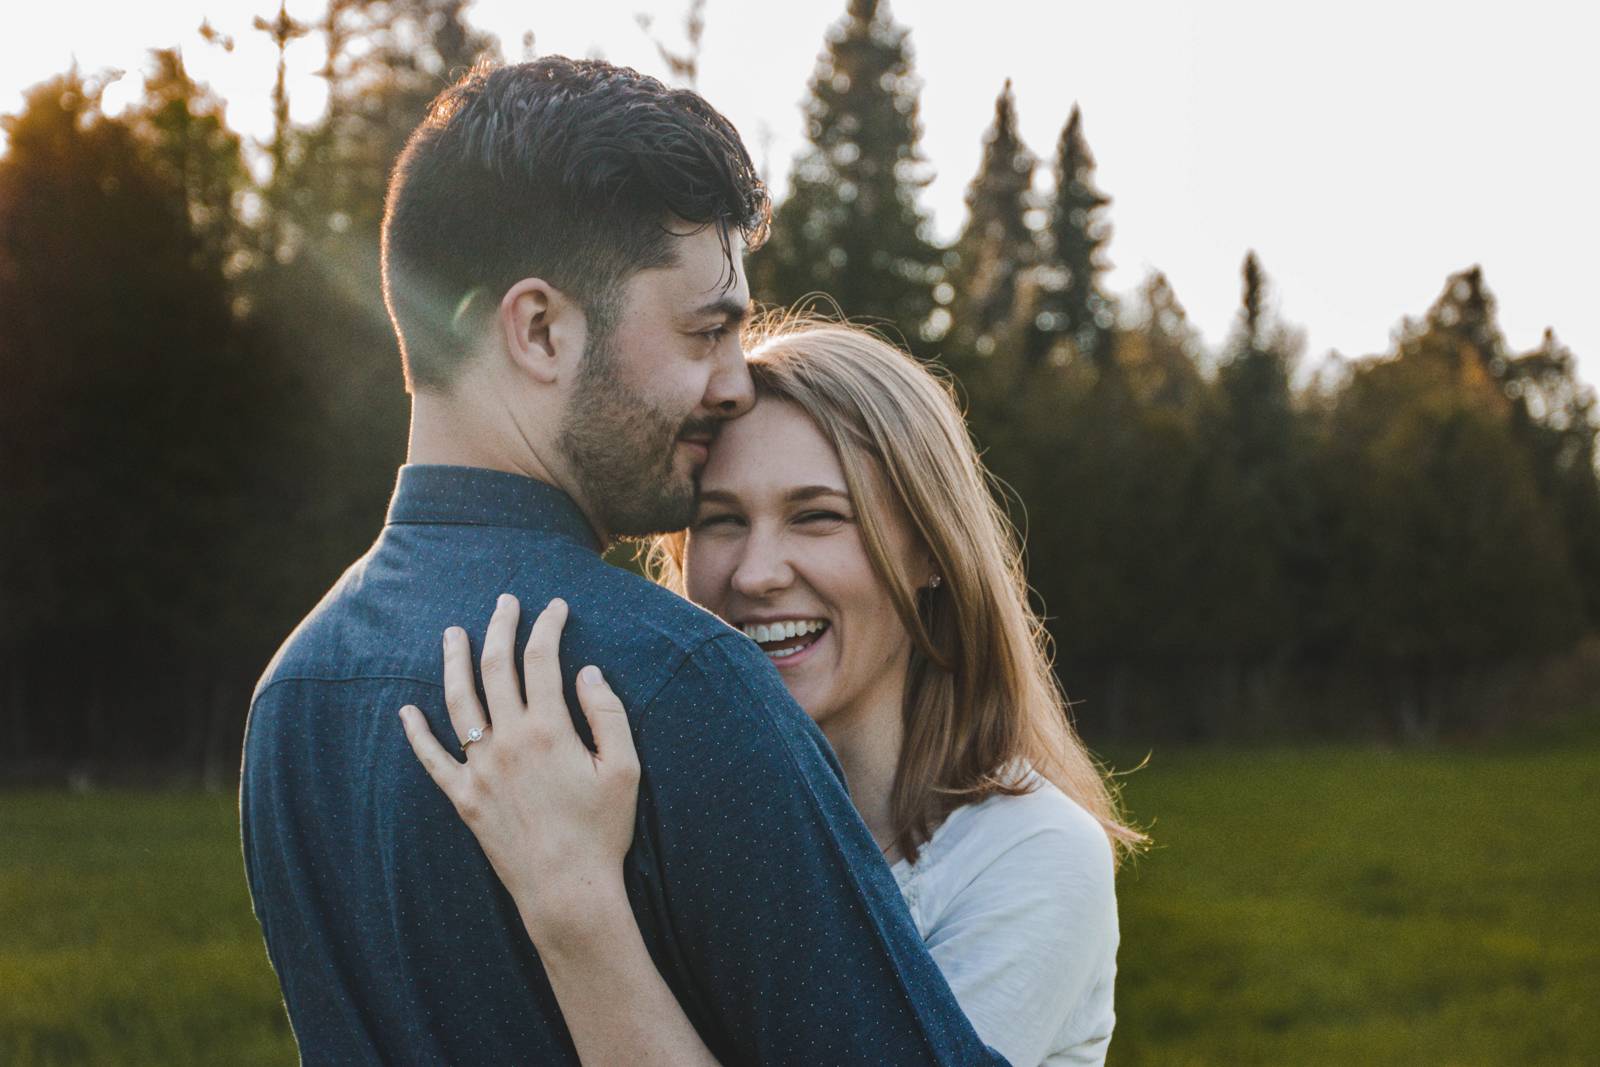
[981, 700]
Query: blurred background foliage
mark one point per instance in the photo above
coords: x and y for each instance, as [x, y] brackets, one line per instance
[202, 413]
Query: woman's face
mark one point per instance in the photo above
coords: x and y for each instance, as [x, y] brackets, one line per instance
[775, 551]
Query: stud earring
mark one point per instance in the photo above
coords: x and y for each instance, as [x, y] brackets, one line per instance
[935, 582]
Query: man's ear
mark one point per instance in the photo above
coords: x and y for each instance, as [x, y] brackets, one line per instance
[542, 328]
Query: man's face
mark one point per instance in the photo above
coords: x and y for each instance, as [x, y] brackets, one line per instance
[654, 389]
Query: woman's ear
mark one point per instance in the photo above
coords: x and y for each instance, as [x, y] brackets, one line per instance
[928, 568]
[541, 328]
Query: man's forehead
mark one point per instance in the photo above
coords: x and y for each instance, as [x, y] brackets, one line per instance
[709, 267]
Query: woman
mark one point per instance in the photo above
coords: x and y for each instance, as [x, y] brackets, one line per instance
[846, 526]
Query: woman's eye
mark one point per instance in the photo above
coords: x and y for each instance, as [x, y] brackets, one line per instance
[820, 517]
[711, 521]
[716, 334]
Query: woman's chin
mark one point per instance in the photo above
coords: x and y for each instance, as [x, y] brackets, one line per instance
[802, 694]
[805, 675]
[811, 697]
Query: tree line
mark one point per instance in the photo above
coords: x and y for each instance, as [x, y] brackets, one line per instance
[201, 413]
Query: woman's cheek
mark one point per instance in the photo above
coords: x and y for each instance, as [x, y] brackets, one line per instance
[706, 567]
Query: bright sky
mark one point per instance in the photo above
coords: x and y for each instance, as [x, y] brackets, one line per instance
[1365, 149]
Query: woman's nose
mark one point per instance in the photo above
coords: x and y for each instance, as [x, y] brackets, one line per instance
[763, 568]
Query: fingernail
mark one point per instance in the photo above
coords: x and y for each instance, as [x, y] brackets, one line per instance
[554, 603]
[507, 600]
[590, 675]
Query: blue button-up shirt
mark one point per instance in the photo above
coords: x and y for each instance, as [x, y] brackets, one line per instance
[761, 896]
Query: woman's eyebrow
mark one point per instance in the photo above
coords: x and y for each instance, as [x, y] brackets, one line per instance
[799, 493]
[811, 492]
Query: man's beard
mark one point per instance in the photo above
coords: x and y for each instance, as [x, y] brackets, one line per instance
[622, 451]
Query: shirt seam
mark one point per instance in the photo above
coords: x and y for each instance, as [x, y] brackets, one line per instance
[645, 704]
[685, 658]
[270, 686]
[541, 530]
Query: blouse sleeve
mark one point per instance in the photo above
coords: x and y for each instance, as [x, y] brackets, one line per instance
[1031, 937]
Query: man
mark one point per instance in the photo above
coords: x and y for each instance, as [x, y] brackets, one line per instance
[563, 264]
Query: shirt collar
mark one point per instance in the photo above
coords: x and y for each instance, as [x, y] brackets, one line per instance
[474, 496]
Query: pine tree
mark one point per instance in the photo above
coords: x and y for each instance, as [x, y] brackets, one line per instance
[184, 124]
[1255, 515]
[1555, 416]
[1251, 313]
[998, 245]
[1255, 372]
[1465, 314]
[385, 61]
[282, 30]
[1449, 556]
[1158, 359]
[1072, 307]
[851, 226]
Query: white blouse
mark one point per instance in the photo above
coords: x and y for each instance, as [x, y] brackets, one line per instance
[1015, 899]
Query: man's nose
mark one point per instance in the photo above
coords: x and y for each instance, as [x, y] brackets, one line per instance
[763, 568]
[730, 393]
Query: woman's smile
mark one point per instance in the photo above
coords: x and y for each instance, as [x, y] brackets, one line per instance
[788, 642]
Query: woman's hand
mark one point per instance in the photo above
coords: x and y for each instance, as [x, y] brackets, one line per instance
[554, 818]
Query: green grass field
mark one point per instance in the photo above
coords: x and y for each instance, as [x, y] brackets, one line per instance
[1333, 906]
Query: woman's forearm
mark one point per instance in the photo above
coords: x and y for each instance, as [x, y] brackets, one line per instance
[617, 1006]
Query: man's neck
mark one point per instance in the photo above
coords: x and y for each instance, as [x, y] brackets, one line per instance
[446, 430]
[451, 431]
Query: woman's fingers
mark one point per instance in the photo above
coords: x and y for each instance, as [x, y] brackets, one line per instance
[608, 721]
[499, 658]
[541, 665]
[440, 765]
[460, 691]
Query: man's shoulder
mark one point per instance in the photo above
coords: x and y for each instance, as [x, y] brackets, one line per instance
[657, 643]
[380, 621]
[642, 610]
[306, 645]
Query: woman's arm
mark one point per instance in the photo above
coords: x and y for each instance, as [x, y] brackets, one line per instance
[555, 821]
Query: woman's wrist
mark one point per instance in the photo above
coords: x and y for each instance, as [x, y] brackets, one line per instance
[569, 915]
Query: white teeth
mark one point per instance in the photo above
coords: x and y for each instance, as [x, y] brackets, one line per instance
[782, 631]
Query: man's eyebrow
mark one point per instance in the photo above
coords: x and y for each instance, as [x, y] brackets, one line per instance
[735, 311]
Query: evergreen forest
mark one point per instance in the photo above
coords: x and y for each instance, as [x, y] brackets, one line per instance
[202, 412]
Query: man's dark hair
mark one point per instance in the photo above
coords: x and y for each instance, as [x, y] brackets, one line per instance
[573, 171]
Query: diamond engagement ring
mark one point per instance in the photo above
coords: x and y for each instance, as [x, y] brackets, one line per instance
[474, 734]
